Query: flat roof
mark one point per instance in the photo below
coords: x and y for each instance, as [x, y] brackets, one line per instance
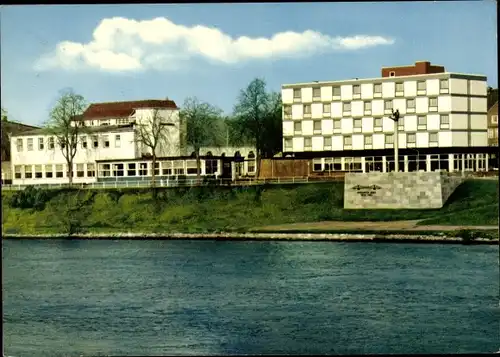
[82, 130]
[387, 79]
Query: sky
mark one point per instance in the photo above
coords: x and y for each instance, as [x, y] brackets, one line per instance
[213, 51]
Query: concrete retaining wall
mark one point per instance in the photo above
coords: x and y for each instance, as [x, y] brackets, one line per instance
[398, 190]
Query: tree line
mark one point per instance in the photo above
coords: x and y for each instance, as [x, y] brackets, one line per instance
[256, 121]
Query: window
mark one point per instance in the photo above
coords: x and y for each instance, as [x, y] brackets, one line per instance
[28, 171]
[19, 144]
[95, 141]
[377, 88]
[18, 173]
[287, 110]
[317, 127]
[337, 124]
[297, 127]
[327, 142]
[421, 86]
[368, 140]
[83, 139]
[443, 85]
[392, 74]
[377, 122]
[316, 93]
[388, 105]
[346, 107]
[118, 170]
[288, 144]
[433, 103]
[307, 143]
[90, 170]
[444, 120]
[494, 119]
[166, 168]
[80, 170]
[399, 88]
[157, 166]
[122, 121]
[433, 137]
[51, 143]
[131, 169]
[48, 171]
[401, 123]
[143, 169]
[421, 122]
[307, 109]
[30, 144]
[347, 140]
[316, 164]
[368, 106]
[59, 171]
[40, 144]
[296, 93]
[491, 133]
[38, 171]
[104, 170]
[410, 104]
[389, 138]
[357, 123]
[411, 138]
[356, 89]
[327, 108]
[105, 141]
[336, 91]
[117, 141]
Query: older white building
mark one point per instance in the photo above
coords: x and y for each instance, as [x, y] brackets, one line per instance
[109, 148]
[346, 125]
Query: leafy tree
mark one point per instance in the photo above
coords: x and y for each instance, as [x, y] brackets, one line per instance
[63, 127]
[152, 132]
[204, 126]
[256, 116]
[72, 209]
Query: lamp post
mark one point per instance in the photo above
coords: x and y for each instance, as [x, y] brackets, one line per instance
[395, 117]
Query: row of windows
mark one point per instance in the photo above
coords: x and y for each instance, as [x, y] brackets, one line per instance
[407, 163]
[444, 121]
[367, 106]
[94, 141]
[117, 169]
[377, 88]
[411, 138]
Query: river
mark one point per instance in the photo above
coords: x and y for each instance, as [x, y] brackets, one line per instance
[84, 297]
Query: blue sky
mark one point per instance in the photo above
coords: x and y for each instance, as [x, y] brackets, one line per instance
[198, 50]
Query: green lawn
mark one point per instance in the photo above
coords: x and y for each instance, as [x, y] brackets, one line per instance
[474, 202]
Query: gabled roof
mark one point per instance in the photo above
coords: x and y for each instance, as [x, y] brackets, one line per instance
[123, 109]
[493, 109]
[13, 127]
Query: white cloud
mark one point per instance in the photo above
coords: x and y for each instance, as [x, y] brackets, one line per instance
[121, 44]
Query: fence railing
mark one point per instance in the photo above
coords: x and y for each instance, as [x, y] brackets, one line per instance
[179, 183]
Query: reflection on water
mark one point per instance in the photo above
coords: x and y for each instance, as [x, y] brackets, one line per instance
[212, 297]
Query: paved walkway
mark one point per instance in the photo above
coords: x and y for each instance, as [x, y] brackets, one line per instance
[382, 226]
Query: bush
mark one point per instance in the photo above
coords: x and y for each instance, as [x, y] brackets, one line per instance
[30, 197]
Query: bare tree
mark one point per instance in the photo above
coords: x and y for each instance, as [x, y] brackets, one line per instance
[64, 128]
[204, 126]
[152, 132]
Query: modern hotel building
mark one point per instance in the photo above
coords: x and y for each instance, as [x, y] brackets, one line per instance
[346, 125]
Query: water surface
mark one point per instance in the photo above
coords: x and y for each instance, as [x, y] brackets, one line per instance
[207, 297]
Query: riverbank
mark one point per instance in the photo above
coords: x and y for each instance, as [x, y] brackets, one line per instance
[230, 236]
[204, 210]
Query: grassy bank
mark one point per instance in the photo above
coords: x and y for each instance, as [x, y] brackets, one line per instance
[205, 209]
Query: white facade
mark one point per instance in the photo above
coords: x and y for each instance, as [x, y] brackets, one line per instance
[437, 110]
